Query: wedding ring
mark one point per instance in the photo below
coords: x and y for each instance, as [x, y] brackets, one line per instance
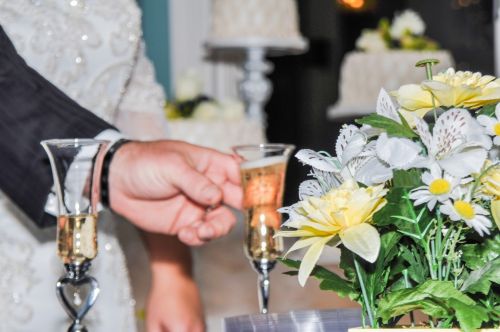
[212, 207]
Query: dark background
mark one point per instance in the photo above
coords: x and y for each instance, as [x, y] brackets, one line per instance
[306, 85]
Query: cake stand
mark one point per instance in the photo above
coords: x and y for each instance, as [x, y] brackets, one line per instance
[255, 88]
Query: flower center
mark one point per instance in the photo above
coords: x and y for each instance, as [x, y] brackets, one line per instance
[439, 187]
[496, 128]
[464, 209]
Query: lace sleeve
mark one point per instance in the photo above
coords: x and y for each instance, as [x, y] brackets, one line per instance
[140, 113]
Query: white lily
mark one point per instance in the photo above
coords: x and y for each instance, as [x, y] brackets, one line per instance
[457, 142]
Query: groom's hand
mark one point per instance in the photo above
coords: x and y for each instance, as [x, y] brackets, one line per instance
[174, 187]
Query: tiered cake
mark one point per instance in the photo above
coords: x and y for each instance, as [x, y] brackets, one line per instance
[363, 74]
[265, 23]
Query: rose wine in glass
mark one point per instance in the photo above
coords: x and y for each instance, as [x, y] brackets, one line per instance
[263, 172]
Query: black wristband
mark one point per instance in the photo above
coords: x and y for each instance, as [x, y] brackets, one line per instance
[106, 163]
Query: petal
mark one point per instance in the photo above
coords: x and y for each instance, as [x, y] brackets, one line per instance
[495, 211]
[427, 178]
[363, 240]
[497, 111]
[302, 243]
[311, 258]
[465, 162]
[389, 151]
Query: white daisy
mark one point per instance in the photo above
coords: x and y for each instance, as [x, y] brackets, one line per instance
[492, 124]
[474, 215]
[438, 187]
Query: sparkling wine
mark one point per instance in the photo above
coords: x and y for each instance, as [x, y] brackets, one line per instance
[263, 184]
[77, 238]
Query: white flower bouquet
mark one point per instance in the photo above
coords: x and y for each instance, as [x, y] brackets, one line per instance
[412, 198]
[405, 32]
[191, 103]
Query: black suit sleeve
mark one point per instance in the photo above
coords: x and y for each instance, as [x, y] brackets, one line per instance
[32, 110]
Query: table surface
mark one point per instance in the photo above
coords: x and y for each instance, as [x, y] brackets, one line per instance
[339, 320]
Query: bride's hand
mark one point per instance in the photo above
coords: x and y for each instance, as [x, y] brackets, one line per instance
[172, 187]
[174, 303]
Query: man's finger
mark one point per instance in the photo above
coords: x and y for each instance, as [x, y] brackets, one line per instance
[218, 223]
[189, 234]
[233, 195]
[193, 184]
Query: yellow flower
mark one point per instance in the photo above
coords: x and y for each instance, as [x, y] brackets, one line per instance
[341, 215]
[491, 180]
[450, 89]
[495, 211]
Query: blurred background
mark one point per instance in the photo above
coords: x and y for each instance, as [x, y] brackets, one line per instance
[306, 85]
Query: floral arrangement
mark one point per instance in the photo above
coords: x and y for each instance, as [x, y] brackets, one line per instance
[406, 32]
[191, 103]
[412, 198]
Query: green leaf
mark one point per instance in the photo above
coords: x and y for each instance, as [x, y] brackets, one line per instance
[488, 110]
[407, 179]
[476, 255]
[347, 264]
[400, 212]
[378, 275]
[479, 281]
[431, 296]
[329, 280]
[417, 270]
[469, 317]
[392, 127]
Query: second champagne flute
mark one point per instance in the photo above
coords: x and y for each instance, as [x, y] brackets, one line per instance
[263, 178]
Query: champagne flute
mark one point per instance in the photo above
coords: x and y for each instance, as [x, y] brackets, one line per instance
[263, 175]
[76, 167]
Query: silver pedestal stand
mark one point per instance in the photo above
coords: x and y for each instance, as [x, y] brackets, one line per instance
[255, 88]
[69, 289]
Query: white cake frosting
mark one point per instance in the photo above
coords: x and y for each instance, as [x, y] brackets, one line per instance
[267, 22]
[364, 74]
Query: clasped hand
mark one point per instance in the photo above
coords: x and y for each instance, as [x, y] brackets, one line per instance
[173, 187]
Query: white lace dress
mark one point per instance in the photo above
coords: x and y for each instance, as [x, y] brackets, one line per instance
[92, 50]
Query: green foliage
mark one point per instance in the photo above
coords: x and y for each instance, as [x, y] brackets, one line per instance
[400, 213]
[488, 110]
[390, 126]
[476, 255]
[407, 179]
[439, 299]
[328, 280]
[479, 281]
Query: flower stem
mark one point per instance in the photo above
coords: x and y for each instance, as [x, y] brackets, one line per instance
[368, 306]
[408, 285]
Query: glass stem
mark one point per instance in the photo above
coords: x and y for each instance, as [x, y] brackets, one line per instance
[263, 267]
[264, 287]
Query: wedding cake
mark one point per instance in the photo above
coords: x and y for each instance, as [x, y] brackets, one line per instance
[386, 59]
[266, 23]
[363, 74]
